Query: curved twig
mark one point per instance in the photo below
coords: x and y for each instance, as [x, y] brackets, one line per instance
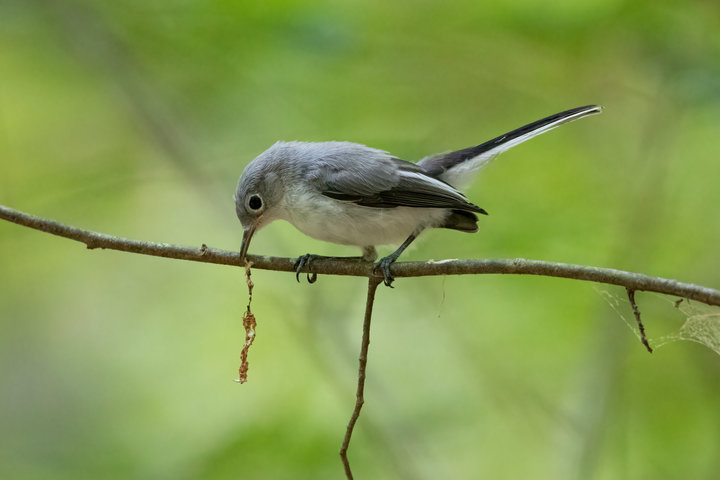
[638, 319]
[373, 283]
[517, 266]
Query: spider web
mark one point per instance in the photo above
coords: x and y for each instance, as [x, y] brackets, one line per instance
[701, 325]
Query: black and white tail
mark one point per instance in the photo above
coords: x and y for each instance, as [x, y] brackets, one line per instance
[459, 166]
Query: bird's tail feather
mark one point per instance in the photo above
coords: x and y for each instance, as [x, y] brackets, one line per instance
[456, 166]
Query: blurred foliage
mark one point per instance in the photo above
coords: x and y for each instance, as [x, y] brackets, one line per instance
[135, 118]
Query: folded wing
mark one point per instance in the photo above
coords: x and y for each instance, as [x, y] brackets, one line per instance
[372, 178]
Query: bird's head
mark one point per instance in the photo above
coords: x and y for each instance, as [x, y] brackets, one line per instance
[258, 199]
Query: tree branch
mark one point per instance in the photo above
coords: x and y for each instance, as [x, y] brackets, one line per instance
[518, 266]
[373, 283]
[638, 319]
[333, 266]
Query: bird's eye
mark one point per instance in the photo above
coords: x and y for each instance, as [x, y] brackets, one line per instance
[255, 203]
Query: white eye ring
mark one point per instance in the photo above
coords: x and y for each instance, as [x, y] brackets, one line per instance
[254, 203]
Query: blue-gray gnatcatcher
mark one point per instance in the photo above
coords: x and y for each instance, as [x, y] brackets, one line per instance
[350, 194]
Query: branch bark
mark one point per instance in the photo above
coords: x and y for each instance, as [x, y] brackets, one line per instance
[373, 283]
[517, 266]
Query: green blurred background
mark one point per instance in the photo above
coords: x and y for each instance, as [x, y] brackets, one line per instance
[136, 117]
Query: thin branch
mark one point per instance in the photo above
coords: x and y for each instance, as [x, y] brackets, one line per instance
[518, 266]
[636, 312]
[373, 283]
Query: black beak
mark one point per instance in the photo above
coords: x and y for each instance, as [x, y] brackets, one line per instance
[247, 235]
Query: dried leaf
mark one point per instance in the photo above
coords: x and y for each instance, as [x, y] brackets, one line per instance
[249, 323]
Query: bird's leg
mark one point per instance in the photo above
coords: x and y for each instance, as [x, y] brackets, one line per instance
[385, 262]
[369, 255]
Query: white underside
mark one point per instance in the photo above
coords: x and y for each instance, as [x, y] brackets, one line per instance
[346, 223]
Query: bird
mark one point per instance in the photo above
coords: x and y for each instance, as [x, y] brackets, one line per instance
[350, 194]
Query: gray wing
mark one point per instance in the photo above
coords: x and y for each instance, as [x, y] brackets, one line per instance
[372, 178]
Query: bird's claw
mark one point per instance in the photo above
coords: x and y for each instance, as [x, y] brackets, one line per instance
[384, 266]
[303, 261]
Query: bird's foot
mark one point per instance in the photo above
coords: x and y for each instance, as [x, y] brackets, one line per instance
[304, 261]
[384, 265]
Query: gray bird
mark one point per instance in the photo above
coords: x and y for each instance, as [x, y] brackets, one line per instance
[347, 193]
